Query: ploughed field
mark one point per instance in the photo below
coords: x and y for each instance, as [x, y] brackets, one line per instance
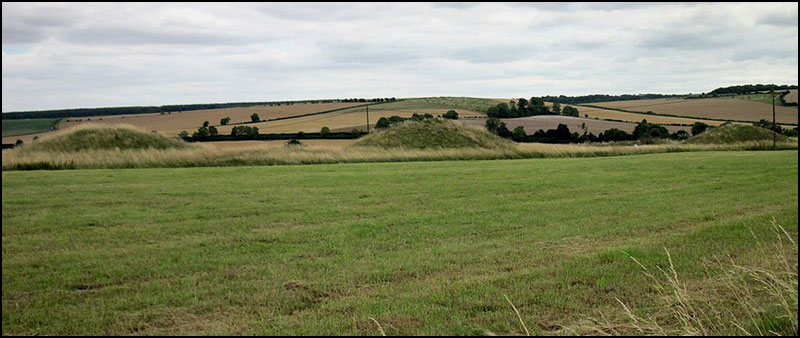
[404, 248]
[714, 108]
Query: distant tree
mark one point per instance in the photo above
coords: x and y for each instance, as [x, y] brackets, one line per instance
[556, 108]
[255, 117]
[325, 131]
[502, 130]
[519, 134]
[205, 123]
[213, 131]
[698, 128]
[36, 138]
[680, 135]
[492, 124]
[183, 134]
[294, 142]
[224, 121]
[382, 123]
[451, 114]
[18, 143]
[201, 134]
[570, 111]
[646, 130]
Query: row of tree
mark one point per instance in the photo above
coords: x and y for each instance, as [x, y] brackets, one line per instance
[791, 132]
[385, 122]
[603, 98]
[523, 108]
[379, 99]
[644, 130]
[750, 88]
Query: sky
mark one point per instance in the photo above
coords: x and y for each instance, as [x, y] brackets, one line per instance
[71, 55]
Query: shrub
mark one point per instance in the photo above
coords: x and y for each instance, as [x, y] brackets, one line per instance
[451, 114]
[325, 131]
[294, 142]
[698, 128]
[224, 121]
[255, 117]
[205, 124]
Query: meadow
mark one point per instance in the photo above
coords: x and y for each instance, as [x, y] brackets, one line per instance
[334, 249]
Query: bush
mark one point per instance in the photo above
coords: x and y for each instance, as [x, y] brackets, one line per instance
[244, 131]
[294, 142]
[451, 114]
[224, 121]
[325, 131]
[698, 128]
[255, 117]
[205, 124]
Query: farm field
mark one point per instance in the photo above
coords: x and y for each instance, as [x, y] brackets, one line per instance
[608, 114]
[544, 122]
[172, 124]
[716, 108]
[791, 97]
[27, 126]
[333, 249]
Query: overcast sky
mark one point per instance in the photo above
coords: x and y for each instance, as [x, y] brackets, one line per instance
[96, 55]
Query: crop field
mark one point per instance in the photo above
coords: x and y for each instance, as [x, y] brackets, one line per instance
[791, 97]
[27, 126]
[615, 115]
[544, 122]
[344, 120]
[333, 249]
[715, 108]
[173, 123]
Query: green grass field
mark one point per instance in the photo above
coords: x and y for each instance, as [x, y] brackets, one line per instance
[27, 126]
[420, 247]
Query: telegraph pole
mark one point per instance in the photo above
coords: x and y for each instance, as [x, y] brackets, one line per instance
[774, 130]
[367, 119]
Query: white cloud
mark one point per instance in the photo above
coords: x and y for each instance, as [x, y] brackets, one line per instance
[89, 55]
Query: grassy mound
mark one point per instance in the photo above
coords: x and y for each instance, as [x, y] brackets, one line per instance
[735, 133]
[92, 137]
[433, 134]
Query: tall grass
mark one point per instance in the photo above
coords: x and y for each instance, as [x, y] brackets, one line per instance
[208, 155]
[758, 299]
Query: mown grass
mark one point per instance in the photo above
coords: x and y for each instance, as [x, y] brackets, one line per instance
[415, 247]
[28, 126]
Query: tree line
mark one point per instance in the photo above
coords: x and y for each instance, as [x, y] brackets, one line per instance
[524, 108]
[750, 88]
[561, 134]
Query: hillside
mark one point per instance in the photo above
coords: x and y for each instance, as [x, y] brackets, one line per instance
[432, 134]
[734, 133]
[93, 137]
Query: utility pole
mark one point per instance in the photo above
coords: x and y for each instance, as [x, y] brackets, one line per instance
[367, 119]
[774, 134]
